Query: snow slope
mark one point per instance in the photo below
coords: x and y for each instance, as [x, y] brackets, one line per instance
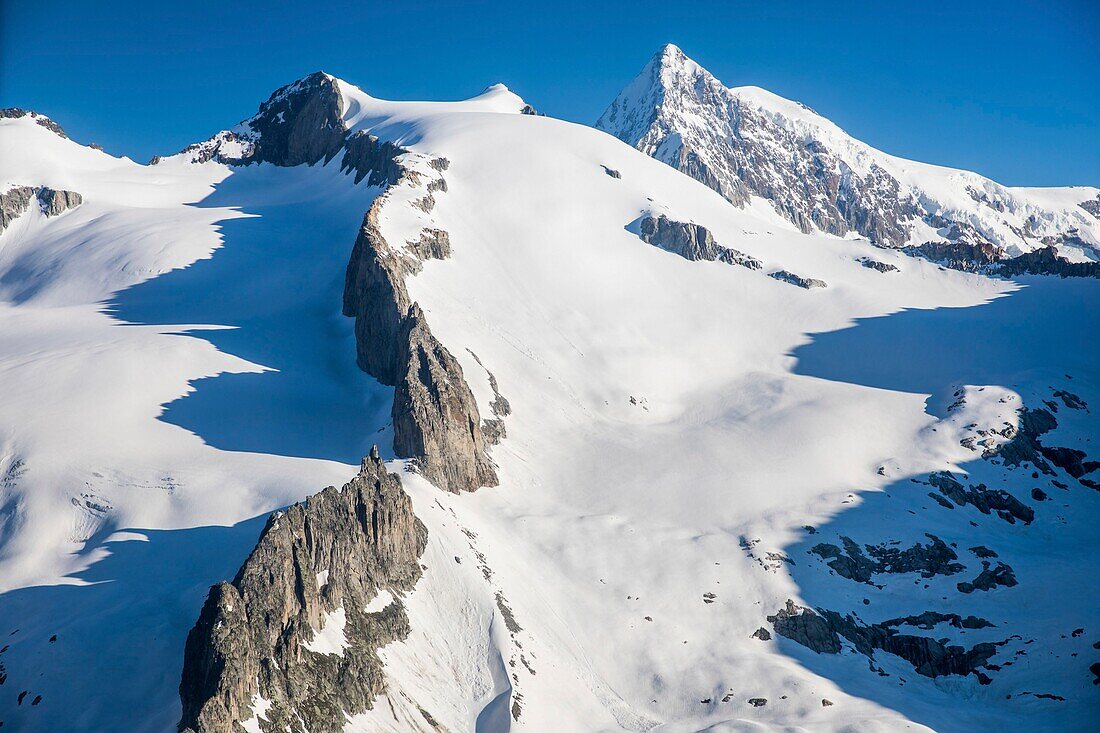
[674, 422]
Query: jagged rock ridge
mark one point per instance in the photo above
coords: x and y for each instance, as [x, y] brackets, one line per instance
[254, 652]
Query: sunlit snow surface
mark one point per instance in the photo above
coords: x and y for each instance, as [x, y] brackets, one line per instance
[188, 403]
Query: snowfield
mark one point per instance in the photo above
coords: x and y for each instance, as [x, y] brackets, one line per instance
[174, 366]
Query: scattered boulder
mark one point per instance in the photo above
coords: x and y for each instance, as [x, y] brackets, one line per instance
[758, 702]
[762, 634]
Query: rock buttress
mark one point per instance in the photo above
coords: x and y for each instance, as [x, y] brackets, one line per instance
[317, 565]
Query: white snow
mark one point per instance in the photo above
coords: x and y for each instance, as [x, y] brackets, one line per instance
[216, 292]
[330, 638]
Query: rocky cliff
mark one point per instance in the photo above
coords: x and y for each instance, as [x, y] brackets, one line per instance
[291, 643]
[436, 420]
[15, 201]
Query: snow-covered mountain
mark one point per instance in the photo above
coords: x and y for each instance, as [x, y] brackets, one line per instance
[746, 142]
[645, 461]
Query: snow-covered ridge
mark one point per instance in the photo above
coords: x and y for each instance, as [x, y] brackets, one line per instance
[747, 142]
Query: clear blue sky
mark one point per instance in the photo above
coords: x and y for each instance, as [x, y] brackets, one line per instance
[1010, 89]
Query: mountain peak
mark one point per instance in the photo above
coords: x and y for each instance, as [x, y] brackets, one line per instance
[746, 141]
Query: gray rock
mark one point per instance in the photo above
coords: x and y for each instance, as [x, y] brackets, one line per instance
[822, 631]
[990, 578]
[802, 282]
[14, 203]
[982, 498]
[611, 172]
[370, 158]
[55, 202]
[691, 241]
[14, 113]
[434, 244]
[935, 558]
[435, 418]
[762, 634]
[251, 635]
[876, 265]
[376, 297]
[301, 123]
[1046, 261]
[805, 627]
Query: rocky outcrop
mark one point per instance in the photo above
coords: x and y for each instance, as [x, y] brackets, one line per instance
[990, 577]
[965, 256]
[15, 201]
[291, 643]
[1045, 261]
[371, 158]
[982, 498]
[935, 558]
[802, 282]
[56, 202]
[806, 627]
[876, 265]
[821, 631]
[436, 419]
[691, 241]
[15, 113]
[301, 123]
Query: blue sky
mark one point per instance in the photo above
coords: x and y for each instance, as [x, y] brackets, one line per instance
[1010, 89]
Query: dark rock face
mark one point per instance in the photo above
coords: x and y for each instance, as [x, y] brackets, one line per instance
[876, 265]
[930, 619]
[366, 155]
[802, 282]
[300, 123]
[1092, 206]
[821, 631]
[958, 255]
[691, 241]
[340, 549]
[990, 578]
[55, 202]
[434, 244]
[14, 203]
[435, 417]
[611, 172]
[375, 295]
[1024, 446]
[935, 558]
[1045, 261]
[15, 113]
[806, 627]
[985, 500]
